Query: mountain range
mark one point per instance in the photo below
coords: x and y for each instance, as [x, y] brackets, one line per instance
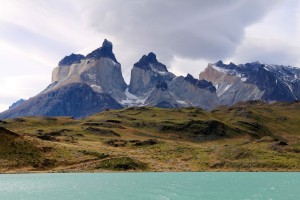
[84, 85]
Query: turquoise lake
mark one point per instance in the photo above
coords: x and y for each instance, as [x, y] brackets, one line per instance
[143, 186]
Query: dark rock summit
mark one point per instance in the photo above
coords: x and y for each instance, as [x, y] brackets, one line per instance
[104, 51]
[71, 59]
[203, 84]
[149, 62]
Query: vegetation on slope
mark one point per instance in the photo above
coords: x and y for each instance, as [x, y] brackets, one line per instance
[250, 136]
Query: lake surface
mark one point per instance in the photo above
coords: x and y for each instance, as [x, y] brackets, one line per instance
[143, 186]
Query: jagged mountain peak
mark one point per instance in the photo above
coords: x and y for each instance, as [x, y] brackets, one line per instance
[258, 62]
[247, 69]
[99, 69]
[146, 73]
[17, 103]
[250, 65]
[229, 66]
[151, 57]
[189, 77]
[71, 59]
[202, 84]
[252, 81]
[107, 44]
[219, 63]
[106, 50]
[150, 62]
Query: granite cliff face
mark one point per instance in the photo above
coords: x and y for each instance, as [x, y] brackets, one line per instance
[99, 69]
[161, 96]
[194, 92]
[146, 73]
[253, 81]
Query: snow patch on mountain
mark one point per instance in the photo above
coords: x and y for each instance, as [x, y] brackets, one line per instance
[133, 100]
[160, 72]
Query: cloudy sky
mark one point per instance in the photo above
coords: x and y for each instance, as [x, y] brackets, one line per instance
[185, 35]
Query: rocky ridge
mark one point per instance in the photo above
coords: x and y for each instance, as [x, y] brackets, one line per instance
[253, 81]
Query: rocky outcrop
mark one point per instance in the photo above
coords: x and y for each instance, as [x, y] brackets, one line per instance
[71, 59]
[161, 97]
[17, 103]
[193, 92]
[252, 81]
[76, 100]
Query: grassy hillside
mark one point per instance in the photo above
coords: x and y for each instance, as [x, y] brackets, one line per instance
[251, 136]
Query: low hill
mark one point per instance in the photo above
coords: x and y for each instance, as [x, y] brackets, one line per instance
[249, 136]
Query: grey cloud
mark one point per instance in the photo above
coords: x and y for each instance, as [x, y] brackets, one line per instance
[269, 52]
[191, 29]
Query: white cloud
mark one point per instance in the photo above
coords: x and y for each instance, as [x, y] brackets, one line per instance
[275, 40]
[16, 87]
[182, 66]
[268, 51]
[3, 107]
[34, 36]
